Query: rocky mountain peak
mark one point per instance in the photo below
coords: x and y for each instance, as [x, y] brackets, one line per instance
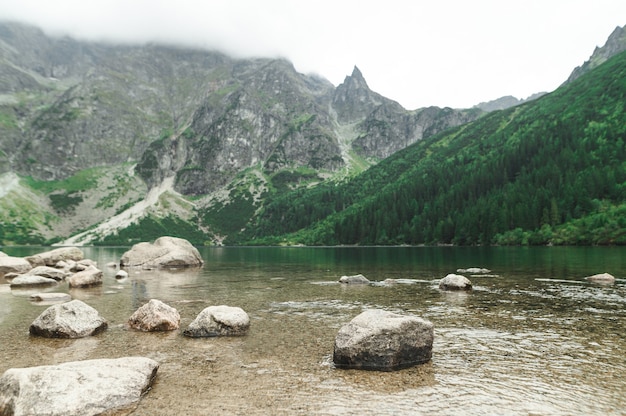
[353, 100]
[615, 44]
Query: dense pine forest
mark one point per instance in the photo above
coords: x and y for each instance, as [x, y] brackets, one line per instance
[551, 171]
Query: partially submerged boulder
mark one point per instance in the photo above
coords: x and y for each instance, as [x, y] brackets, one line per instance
[52, 257]
[87, 278]
[9, 264]
[155, 316]
[217, 321]
[121, 274]
[385, 341]
[50, 272]
[90, 387]
[357, 279]
[27, 280]
[474, 270]
[166, 252]
[74, 319]
[455, 282]
[601, 278]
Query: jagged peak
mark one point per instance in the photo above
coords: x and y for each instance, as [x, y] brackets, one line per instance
[356, 79]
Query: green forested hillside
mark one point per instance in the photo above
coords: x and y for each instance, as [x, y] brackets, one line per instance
[552, 171]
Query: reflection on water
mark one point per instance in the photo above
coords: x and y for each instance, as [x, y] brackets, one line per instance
[533, 338]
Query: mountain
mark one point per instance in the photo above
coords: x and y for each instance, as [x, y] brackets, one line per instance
[550, 171]
[100, 141]
[505, 102]
[615, 44]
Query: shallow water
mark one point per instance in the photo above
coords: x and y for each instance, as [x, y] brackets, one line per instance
[535, 338]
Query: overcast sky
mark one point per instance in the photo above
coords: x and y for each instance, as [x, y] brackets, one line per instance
[453, 53]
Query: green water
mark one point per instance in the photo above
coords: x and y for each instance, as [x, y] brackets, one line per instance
[535, 338]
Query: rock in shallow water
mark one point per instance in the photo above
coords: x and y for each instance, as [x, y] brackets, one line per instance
[73, 319]
[91, 276]
[357, 279]
[89, 387]
[155, 316]
[166, 252]
[217, 321]
[385, 341]
[455, 282]
[601, 278]
[52, 257]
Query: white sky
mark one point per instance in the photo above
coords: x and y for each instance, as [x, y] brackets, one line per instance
[453, 53]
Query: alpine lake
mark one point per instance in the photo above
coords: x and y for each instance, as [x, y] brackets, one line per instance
[533, 337]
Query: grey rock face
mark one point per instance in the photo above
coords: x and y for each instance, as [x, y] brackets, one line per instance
[155, 316]
[166, 252]
[52, 257]
[73, 319]
[455, 282]
[217, 321]
[78, 388]
[381, 340]
[91, 276]
[357, 279]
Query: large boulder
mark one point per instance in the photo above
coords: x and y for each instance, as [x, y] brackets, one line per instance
[155, 316]
[166, 252]
[357, 279]
[87, 278]
[455, 282]
[92, 387]
[385, 341]
[9, 264]
[52, 257]
[49, 272]
[217, 321]
[74, 319]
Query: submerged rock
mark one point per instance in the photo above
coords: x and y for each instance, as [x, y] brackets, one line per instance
[52, 257]
[50, 297]
[474, 270]
[166, 252]
[155, 316]
[385, 341]
[217, 321]
[91, 387]
[357, 279]
[73, 319]
[121, 274]
[455, 282]
[601, 278]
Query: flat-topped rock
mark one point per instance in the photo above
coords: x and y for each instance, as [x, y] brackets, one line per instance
[357, 279]
[50, 297]
[79, 388]
[52, 257]
[166, 252]
[601, 278]
[26, 280]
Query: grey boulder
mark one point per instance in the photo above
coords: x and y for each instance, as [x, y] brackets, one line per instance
[601, 278]
[74, 319]
[166, 252]
[27, 280]
[357, 279]
[52, 257]
[49, 272]
[216, 321]
[384, 341]
[9, 264]
[91, 387]
[155, 316]
[91, 276]
[455, 282]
